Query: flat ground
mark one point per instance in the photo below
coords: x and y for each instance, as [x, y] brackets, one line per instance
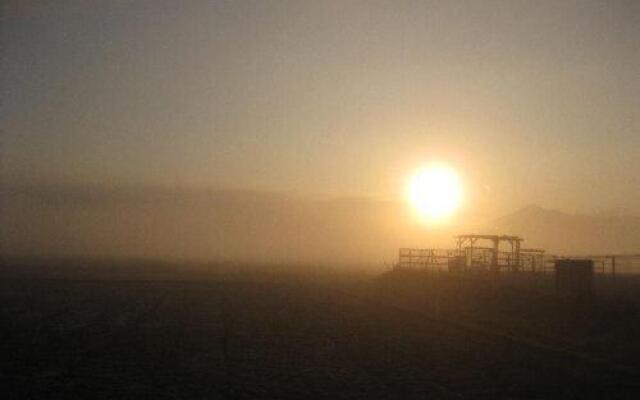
[110, 330]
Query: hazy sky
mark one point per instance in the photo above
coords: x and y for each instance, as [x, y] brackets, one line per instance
[533, 101]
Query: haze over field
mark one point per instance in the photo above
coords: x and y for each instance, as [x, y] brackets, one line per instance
[248, 226]
[287, 130]
[205, 199]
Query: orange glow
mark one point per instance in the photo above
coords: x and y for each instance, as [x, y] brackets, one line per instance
[435, 193]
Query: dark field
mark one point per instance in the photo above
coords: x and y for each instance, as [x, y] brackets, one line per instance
[74, 329]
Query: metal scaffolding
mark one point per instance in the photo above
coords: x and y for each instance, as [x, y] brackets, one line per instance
[470, 255]
[497, 259]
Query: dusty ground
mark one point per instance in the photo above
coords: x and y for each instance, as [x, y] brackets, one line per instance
[73, 332]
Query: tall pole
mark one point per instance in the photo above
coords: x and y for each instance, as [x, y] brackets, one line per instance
[517, 255]
[613, 267]
[496, 245]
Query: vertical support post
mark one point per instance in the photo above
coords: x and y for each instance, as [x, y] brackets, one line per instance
[496, 246]
[613, 268]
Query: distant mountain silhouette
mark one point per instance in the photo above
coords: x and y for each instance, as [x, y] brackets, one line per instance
[243, 225]
[565, 233]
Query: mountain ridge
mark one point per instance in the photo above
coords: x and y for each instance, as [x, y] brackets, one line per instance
[566, 233]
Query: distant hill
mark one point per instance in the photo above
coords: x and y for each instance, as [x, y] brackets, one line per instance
[565, 233]
[254, 226]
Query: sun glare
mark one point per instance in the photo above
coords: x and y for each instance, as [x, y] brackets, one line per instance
[435, 192]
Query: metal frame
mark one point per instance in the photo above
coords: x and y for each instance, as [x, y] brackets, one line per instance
[469, 256]
[466, 243]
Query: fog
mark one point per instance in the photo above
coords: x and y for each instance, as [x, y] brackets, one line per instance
[262, 227]
[222, 225]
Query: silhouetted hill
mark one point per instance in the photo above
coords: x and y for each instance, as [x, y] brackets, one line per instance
[565, 233]
[250, 226]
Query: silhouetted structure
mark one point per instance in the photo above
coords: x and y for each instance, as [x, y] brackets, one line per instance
[457, 264]
[469, 256]
[426, 258]
[532, 259]
[466, 243]
[574, 277]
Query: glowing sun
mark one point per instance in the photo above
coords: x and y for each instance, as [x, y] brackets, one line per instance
[435, 192]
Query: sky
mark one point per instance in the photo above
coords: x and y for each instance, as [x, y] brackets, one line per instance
[532, 102]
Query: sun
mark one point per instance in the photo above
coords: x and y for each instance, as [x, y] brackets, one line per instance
[435, 192]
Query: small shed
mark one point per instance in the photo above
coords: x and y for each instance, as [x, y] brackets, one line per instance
[574, 276]
[456, 263]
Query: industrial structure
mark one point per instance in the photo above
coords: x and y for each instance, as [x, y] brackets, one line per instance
[475, 252]
[504, 253]
[574, 276]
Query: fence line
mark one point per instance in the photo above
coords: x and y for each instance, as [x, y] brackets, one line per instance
[480, 259]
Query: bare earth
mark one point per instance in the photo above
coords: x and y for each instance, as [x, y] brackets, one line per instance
[78, 330]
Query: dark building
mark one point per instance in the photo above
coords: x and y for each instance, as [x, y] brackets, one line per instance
[574, 276]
